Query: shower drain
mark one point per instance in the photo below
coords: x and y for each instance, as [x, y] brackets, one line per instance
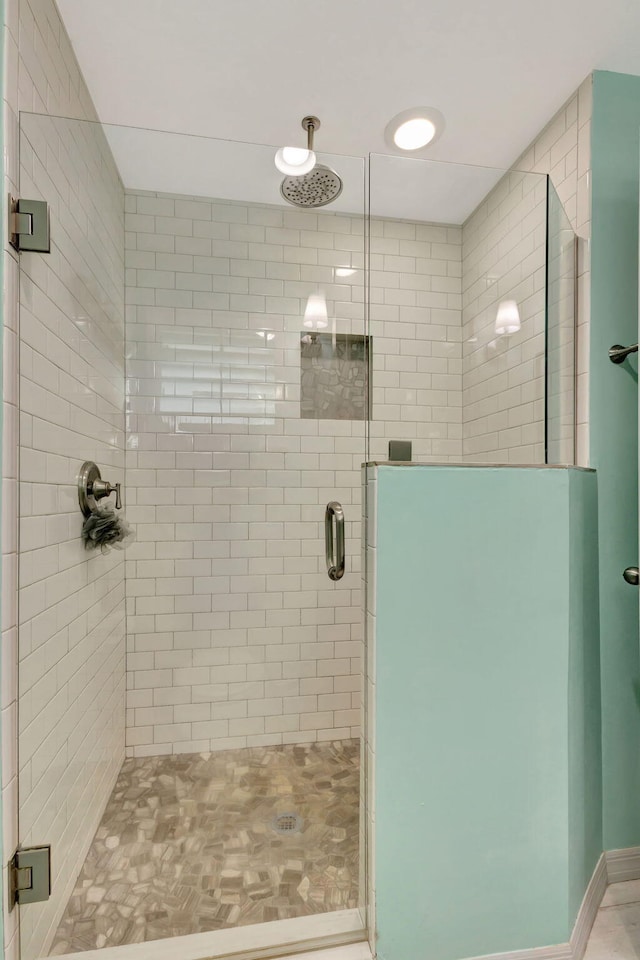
[287, 823]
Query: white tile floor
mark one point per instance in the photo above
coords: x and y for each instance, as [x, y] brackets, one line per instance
[616, 932]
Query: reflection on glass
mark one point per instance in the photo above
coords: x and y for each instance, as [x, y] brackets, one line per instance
[507, 318]
[315, 314]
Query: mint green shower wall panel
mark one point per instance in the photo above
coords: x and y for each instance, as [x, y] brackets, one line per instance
[473, 632]
[584, 705]
[5, 213]
[613, 413]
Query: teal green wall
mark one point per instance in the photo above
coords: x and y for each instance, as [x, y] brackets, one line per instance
[481, 600]
[4, 214]
[614, 439]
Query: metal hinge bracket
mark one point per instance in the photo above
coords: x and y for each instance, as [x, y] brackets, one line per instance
[29, 227]
[29, 875]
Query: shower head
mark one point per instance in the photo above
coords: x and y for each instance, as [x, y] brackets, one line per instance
[320, 186]
[315, 189]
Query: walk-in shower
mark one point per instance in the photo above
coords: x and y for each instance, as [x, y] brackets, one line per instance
[191, 734]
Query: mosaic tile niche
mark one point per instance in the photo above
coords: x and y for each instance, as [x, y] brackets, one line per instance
[334, 376]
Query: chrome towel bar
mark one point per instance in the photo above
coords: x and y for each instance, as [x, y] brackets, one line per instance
[334, 554]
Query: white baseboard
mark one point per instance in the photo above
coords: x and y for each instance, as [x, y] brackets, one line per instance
[623, 864]
[589, 908]
[560, 952]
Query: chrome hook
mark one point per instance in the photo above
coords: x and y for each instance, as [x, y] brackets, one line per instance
[618, 354]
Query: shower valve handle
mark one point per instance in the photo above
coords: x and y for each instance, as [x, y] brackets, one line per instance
[102, 488]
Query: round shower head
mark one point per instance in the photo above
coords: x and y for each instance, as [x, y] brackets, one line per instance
[315, 189]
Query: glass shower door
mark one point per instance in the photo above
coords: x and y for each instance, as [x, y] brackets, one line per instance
[190, 707]
[71, 641]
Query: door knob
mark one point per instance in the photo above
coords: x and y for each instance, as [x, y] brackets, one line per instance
[632, 576]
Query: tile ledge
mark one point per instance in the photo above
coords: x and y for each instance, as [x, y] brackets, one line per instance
[483, 466]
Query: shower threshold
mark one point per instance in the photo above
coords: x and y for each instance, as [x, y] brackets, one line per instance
[238, 846]
[338, 935]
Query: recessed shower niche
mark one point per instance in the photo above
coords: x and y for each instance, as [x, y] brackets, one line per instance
[334, 376]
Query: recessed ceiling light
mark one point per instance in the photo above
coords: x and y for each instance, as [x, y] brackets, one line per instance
[413, 134]
[415, 128]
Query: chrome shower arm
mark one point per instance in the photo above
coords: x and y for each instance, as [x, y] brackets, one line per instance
[310, 124]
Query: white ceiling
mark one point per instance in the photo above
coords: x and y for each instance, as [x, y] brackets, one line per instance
[250, 69]
[401, 188]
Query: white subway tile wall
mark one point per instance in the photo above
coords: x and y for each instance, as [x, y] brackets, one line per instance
[563, 150]
[71, 606]
[416, 326]
[504, 257]
[71, 609]
[235, 634]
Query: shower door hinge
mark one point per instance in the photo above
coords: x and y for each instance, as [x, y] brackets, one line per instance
[29, 875]
[29, 227]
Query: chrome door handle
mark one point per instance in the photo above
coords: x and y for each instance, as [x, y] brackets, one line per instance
[334, 552]
[632, 576]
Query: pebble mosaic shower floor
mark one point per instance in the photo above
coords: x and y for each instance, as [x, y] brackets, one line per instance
[187, 844]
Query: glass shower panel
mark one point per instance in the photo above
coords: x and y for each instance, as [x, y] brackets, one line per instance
[204, 342]
[561, 334]
[457, 291]
[71, 640]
